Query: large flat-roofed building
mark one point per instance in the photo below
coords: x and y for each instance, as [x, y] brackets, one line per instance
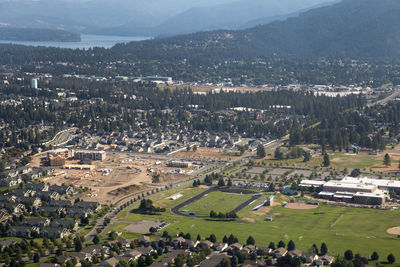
[348, 187]
[90, 155]
[369, 198]
[179, 164]
[55, 161]
[62, 152]
[365, 191]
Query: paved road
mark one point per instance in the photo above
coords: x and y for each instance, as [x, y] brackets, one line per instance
[61, 138]
[384, 101]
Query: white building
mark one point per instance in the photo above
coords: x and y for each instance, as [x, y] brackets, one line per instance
[34, 84]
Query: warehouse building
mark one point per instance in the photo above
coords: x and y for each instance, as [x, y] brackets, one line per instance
[365, 191]
[90, 155]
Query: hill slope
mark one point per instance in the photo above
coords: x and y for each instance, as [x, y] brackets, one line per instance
[29, 34]
[351, 28]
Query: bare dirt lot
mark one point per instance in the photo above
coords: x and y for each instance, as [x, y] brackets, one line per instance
[300, 206]
[120, 174]
[142, 227]
[394, 230]
[208, 153]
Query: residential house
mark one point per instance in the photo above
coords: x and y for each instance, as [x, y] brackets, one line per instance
[297, 254]
[309, 257]
[50, 211]
[54, 232]
[111, 262]
[324, 260]
[60, 203]
[235, 247]
[279, 253]
[64, 223]
[145, 250]
[220, 246]
[144, 240]
[36, 222]
[23, 231]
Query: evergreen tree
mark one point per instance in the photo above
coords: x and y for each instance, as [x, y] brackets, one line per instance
[375, 256]
[291, 245]
[96, 240]
[212, 238]
[348, 255]
[78, 245]
[250, 241]
[281, 244]
[386, 160]
[271, 245]
[221, 182]
[324, 249]
[326, 162]
[278, 154]
[391, 259]
[261, 151]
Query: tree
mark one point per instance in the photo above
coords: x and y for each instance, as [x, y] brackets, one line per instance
[386, 160]
[307, 157]
[96, 240]
[188, 148]
[250, 241]
[261, 151]
[195, 148]
[375, 256]
[36, 257]
[348, 255]
[326, 162]
[229, 182]
[341, 262]
[324, 249]
[391, 259]
[78, 245]
[271, 245]
[314, 249]
[225, 262]
[281, 244]
[278, 154]
[221, 182]
[355, 173]
[291, 245]
[212, 238]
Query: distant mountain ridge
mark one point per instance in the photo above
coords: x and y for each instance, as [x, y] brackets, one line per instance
[351, 28]
[145, 18]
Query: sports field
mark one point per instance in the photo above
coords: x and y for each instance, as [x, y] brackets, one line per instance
[217, 201]
[341, 228]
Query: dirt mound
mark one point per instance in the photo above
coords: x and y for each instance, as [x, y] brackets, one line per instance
[262, 211]
[300, 206]
[394, 230]
[249, 220]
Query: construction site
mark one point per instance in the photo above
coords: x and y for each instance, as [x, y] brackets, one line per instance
[107, 178]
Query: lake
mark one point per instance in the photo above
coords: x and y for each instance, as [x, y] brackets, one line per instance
[88, 41]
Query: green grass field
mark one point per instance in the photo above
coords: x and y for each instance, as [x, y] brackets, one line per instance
[341, 228]
[218, 202]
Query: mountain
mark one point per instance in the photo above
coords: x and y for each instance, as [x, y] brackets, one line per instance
[91, 15]
[224, 16]
[26, 34]
[351, 28]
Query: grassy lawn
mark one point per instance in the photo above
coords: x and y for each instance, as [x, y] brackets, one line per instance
[218, 202]
[341, 228]
[362, 160]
